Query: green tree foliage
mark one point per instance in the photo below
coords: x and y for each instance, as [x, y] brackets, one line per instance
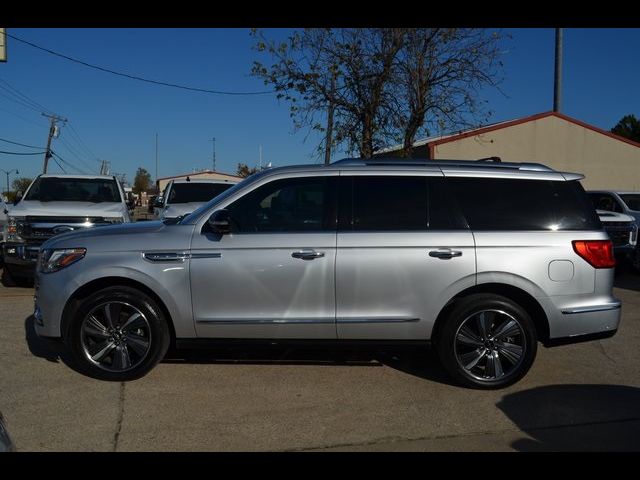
[21, 184]
[387, 85]
[244, 170]
[628, 127]
[142, 181]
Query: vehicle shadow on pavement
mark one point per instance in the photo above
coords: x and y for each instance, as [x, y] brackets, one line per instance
[627, 281]
[421, 362]
[576, 418]
[50, 350]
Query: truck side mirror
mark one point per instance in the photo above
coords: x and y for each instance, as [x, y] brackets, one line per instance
[19, 195]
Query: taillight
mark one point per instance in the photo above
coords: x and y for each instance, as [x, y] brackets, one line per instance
[598, 253]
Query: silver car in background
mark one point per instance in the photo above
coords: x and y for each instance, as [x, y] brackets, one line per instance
[482, 261]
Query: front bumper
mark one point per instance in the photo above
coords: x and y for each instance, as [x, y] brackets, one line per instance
[21, 258]
[52, 291]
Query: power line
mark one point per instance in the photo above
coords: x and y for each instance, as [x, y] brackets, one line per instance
[21, 153]
[68, 163]
[133, 77]
[75, 153]
[17, 93]
[21, 144]
[81, 142]
[17, 100]
[21, 117]
[58, 163]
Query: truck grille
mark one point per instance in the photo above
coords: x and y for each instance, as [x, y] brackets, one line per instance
[620, 235]
[41, 228]
[63, 220]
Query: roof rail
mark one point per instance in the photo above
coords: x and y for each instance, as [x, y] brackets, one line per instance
[490, 162]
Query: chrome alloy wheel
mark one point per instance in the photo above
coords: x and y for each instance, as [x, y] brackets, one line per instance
[115, 336]
[490, 344]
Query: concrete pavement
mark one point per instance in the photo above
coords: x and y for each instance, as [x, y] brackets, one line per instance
[577, 397]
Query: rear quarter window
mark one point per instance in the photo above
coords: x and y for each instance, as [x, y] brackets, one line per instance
[514, 204]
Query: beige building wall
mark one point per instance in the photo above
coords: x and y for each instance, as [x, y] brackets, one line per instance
[162, 182]
[606, 162]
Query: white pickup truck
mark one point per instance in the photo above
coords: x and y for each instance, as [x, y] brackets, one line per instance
[55, 204]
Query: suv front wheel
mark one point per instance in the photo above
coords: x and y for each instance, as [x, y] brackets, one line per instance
[118, 333]
[487, 341]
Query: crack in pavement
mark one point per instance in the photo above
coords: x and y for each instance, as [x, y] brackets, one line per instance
[116, 436]
[526, 431]
[604, 352]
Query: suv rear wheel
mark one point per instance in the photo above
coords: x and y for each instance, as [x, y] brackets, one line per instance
[488, 341]
[118, 333]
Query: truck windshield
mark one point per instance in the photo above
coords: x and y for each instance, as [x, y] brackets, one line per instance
[59, 189]
[632, 200]
[196, 192]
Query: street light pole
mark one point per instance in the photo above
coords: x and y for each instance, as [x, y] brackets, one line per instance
[7, 174]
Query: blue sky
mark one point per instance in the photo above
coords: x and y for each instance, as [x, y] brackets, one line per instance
[117, 118]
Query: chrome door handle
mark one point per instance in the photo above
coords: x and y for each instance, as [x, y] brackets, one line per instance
[445, 253]
[307, 254]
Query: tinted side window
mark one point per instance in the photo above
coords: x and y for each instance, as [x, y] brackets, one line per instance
[287, 205]
[510, 204]
[400, 203]
[389, 203]
[444, 212]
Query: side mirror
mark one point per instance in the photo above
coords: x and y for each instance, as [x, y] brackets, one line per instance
[220, 222]
[19, 195]
[158, 202]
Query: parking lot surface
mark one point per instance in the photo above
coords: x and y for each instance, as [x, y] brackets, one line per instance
[578, 397]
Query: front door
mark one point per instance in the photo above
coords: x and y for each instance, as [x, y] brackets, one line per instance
[273, 276]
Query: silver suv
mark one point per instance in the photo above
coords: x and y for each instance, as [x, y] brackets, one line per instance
[481, 260]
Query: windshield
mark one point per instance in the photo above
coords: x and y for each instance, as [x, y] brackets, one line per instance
[193, 216]
[59, 189]
[632, 200]
[196, 192]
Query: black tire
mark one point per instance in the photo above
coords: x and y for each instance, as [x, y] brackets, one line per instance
[501, 360]
[8, 279]
[145, 340]
[635, 259]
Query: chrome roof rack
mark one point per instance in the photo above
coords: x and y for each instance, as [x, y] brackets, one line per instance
[490, 162]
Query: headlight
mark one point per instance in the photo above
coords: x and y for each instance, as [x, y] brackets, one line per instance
[113, 219]
[52, 260]
[12, 234]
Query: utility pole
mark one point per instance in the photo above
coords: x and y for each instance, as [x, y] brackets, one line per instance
[214, 153]
[327, 148]
[156, 158]
[557, 83]
[52, 131]
[105, 166]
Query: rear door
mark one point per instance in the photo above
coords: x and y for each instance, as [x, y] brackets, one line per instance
[403, 250]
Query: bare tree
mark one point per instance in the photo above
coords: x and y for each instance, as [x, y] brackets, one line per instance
[384, 84]
[440, 75]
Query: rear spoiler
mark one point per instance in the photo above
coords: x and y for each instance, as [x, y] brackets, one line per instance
[572, 176]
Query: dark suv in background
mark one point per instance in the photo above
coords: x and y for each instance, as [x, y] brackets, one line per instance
[620, 215]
